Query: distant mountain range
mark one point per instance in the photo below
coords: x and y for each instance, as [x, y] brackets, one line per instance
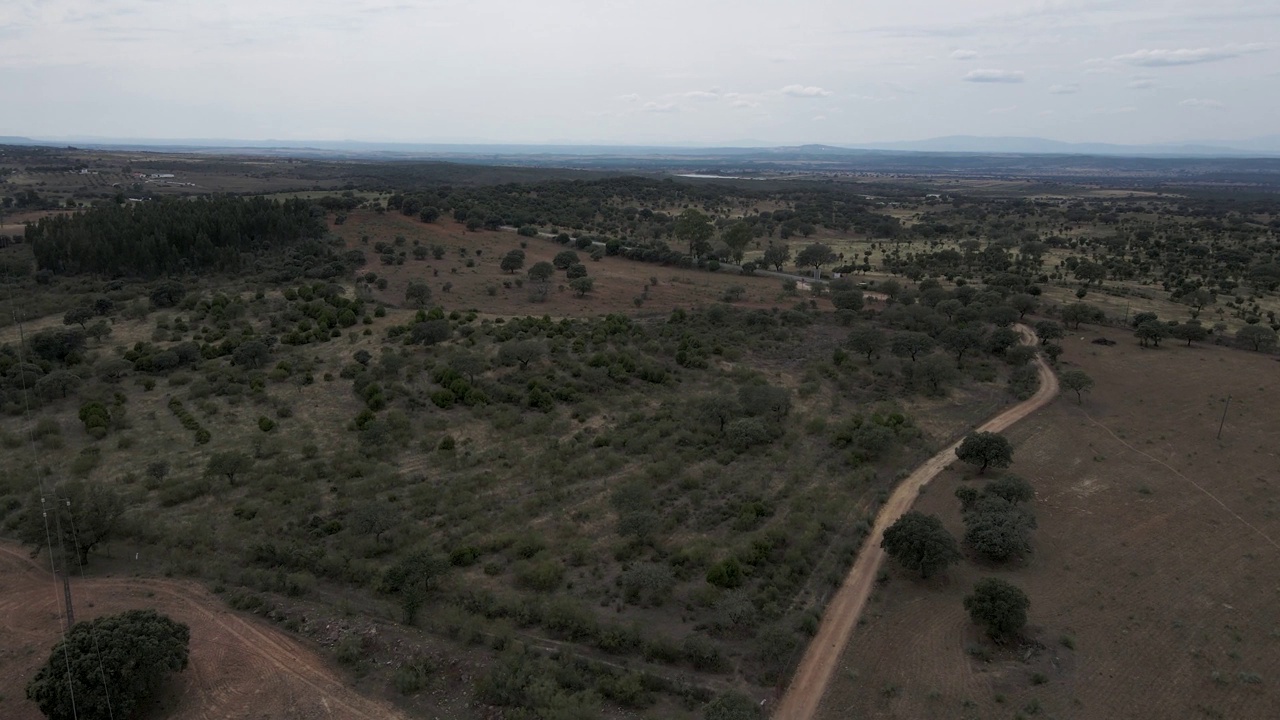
[1263, 146]
[1268, 146]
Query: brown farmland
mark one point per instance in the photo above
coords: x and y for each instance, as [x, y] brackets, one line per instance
[1155, 577]
[618, 281]
[239, 667]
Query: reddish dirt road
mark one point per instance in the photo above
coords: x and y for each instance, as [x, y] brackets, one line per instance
[800, 702]
[239, 667]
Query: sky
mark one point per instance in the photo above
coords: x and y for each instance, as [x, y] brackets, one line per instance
[641, 71]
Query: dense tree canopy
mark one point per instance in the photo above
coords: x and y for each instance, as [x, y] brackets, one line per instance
[920, 543]
[166, 237]
[107, 667]
[998, 606]
[986, 449]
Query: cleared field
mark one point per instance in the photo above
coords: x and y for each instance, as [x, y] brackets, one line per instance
[1154, 577]
[239, 668]
[618, 282]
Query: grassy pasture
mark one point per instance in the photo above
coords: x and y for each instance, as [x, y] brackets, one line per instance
[1155, 562]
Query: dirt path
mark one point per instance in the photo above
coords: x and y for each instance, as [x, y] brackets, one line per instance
[809, 683]
[239, 667]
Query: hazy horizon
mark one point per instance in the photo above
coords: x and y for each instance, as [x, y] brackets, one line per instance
[631, 73]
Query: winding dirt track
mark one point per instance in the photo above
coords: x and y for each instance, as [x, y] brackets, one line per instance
[239, 667]
[809, 683]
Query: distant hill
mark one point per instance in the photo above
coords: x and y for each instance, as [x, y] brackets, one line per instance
[1041, 146]
[1268, 146]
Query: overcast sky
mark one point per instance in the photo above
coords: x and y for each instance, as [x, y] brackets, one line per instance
[640, 71]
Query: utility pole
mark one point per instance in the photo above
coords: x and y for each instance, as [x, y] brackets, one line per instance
[62, 550]
[1224, 417]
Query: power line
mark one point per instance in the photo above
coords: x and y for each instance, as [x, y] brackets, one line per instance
[44, 506]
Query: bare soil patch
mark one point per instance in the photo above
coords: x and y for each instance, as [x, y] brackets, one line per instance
[1155, 567]
[239, 667]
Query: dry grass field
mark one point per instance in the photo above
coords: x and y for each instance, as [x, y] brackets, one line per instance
[240, 667]
[618, 282]
[1155, 577]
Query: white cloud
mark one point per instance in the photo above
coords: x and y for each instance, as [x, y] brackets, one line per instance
[819, 118]
[700, 95]
[1141, 83]
[1066, 89]
[1201, 103]
[656, 107]
[1002, 110]
[1170, 58]
[629, 97]
[964, 54]
[1115, 111]
[993, 76]
[805, 91]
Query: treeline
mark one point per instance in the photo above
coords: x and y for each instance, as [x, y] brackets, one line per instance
[170, 237]
[641, 208]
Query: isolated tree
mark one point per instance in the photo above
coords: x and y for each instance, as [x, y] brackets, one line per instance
[1010, 488]
[815, 256]
[417, 295]
[564, 259]
[1024, 304]
[986, 449]
[413, 578]
[998, 606]
[373, 518]
[1151, 332]
[512, 261]
[98, 330]
[1002, 316]
[695, 229]
[919, 542]
[168, 294]
[777, 256]
[56, 385]
[1198, 299]
[521, 352]
[1078, 381]
[1191, 331]
[716, 410]
[469, 364]
[228, 465]
[737, 237]
[960, 340]
[1077, 313]
[251, 354]
[86, 513]
[1256, 337]
[430, 332]
[1089, 273]
[78, 316]
[58, 345]
[1047, 330]
[108, 667]
[867, 340]
[911, 344]
[934, 372]
[1001, 340]
[582, 285]
[847, 300]
[998, 529]
[541, 272]
[575, 271]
